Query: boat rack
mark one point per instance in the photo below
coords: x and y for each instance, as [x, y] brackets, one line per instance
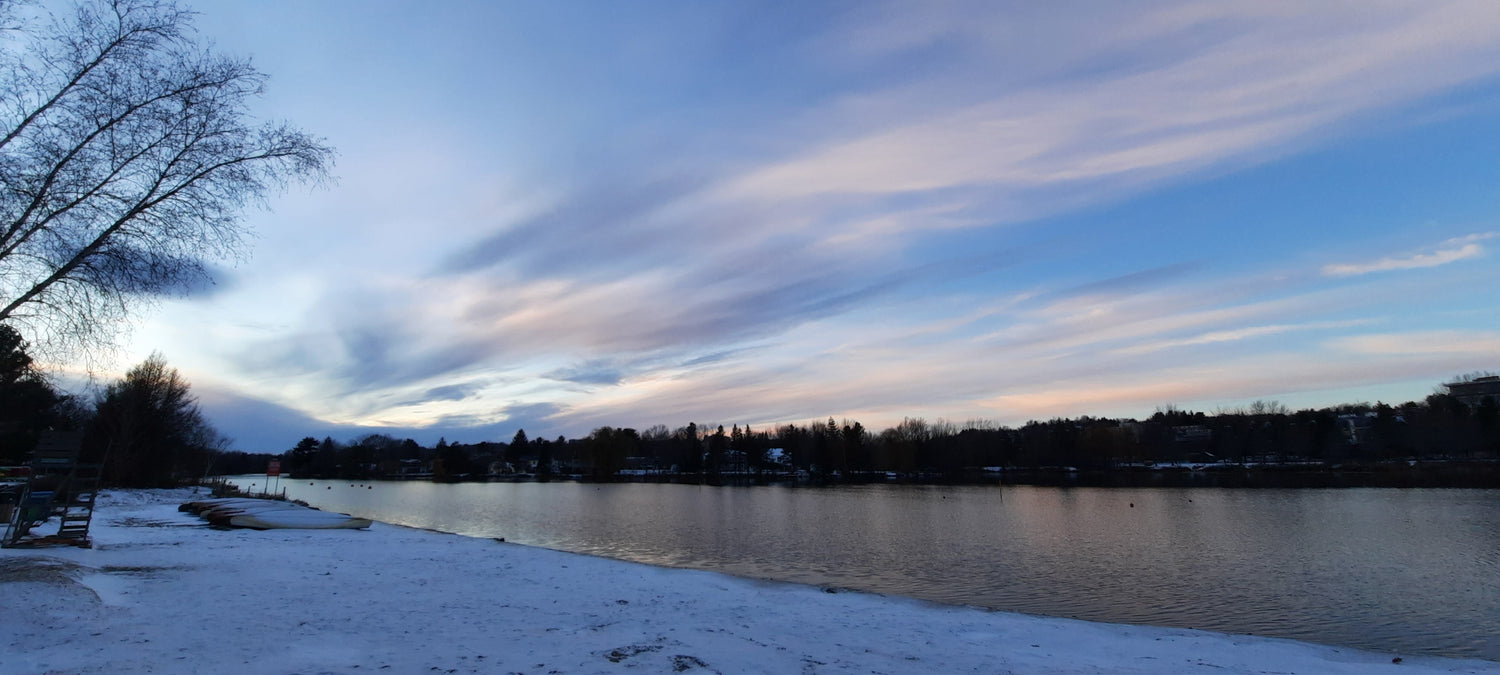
[59, 486]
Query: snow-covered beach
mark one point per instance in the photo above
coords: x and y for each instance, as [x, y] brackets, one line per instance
[161, 592]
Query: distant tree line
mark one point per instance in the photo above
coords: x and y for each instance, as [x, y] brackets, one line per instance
[383, 456]
[1441, 427]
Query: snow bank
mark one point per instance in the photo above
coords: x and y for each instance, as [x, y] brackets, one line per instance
[160, 592]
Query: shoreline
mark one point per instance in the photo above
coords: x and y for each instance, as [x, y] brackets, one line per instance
[1454, 474]
[161, 592]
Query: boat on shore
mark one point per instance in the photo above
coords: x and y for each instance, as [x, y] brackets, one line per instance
[270, 514]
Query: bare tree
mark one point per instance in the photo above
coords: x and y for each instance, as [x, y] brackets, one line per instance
[148, 430]
[127, 156]
[1268, 408]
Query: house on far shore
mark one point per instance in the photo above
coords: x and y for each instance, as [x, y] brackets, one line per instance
[1357, 427]
[1192, 433]
[1473, 392]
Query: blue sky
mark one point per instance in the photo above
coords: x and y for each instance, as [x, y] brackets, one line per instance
[559, 216]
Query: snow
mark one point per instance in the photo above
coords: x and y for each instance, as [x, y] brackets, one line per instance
[161, 592]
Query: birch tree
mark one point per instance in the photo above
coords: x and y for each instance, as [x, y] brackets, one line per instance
[128, 156]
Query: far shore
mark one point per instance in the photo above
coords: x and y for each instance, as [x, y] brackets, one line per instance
[160, 592]
[1475, 473]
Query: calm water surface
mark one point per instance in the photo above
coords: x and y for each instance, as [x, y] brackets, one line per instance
[1397, 570]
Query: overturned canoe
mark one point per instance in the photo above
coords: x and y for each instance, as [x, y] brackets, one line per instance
[221, 515]
[265, 514]
[299, 519]
[202, 505]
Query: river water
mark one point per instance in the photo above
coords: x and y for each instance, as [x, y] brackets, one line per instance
[1405, 570]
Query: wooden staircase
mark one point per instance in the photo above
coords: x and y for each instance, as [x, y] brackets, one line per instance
[59, 486]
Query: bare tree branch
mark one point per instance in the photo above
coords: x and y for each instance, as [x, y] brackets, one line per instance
[127, 156]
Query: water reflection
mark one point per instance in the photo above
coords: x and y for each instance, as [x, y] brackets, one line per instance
[1401, 570]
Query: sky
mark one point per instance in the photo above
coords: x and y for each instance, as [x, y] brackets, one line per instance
[560, 216]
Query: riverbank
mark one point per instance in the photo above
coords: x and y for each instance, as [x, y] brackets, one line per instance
[162, 593]
[1404, 473]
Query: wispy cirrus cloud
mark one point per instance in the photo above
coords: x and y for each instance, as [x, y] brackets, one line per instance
[1259, 82]
[1483, 344]
[1452, 250]
[1244, 378]
[1237, 334]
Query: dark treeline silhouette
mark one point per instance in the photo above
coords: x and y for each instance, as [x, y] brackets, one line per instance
[147, 430]
[1445, 430]
[384, 456]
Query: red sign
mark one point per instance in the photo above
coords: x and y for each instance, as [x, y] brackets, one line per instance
[274, 468]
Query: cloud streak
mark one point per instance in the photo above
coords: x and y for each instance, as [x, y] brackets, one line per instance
[1482, 344]
[1261, 84]
[1450, 251]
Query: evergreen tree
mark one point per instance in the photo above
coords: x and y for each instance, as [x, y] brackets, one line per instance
[27, 403]
[300, 458]
[718, 443]
[519, 448]
[543, 458]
